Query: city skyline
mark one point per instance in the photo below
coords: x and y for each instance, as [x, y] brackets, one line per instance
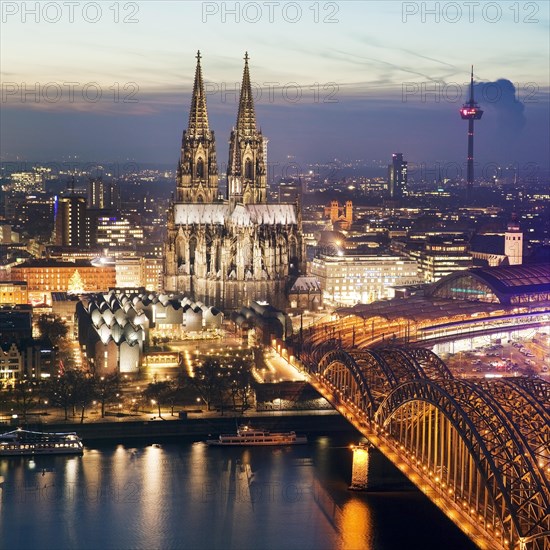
[374, 96]
[258, 216]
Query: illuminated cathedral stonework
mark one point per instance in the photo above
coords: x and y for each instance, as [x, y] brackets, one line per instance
[228, 252]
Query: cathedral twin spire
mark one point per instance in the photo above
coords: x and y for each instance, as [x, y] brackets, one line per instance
[198, 115]
[197, 171]
[246, 117]
[246, 174]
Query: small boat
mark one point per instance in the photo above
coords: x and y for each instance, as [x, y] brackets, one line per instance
[24, 442]
[247, 436]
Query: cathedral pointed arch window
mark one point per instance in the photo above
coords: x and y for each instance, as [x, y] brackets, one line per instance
[192, 251]
[200, 168]
[248, 172]
[292, 248]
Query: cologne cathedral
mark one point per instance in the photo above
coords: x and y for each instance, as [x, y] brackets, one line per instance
[227, 251]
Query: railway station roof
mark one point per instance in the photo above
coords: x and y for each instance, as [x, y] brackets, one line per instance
[418, 308]
[515, 284]
[470, 292]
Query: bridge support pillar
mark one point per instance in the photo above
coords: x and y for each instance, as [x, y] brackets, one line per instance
[360, 467]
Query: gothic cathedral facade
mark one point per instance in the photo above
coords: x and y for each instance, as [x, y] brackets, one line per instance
[228, 251]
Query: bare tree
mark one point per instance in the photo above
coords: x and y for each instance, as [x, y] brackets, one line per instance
[25, 397]
[106, 389]
[73, 388]
[158, 392]
[206, 381]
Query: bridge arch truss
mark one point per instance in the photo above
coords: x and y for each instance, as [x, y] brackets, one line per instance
[483, 447]
[476, 451]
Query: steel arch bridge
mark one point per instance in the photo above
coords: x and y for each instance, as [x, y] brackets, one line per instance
[479, 449]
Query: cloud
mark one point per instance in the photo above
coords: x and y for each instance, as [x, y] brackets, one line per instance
[501, 99]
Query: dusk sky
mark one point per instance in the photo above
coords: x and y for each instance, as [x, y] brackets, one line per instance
[371, 61]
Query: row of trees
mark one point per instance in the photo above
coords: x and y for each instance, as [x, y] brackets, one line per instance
[74, 390]
[217, 383]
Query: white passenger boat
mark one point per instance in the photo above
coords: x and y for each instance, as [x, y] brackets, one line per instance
[24, 442]
[247, 436]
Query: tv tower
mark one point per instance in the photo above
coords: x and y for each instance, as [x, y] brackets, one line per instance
[470, 111]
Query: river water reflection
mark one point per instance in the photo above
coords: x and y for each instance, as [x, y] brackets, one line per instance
[187, 495]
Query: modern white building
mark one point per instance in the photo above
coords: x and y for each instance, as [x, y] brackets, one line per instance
[348, 280]
[114, 328]
[129, 272]
[138, 271]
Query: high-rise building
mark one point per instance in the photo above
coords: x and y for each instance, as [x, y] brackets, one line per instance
[290, 191]
[397, 177]
[70, 221]
[36, 215]
[229, 252]
[103, 194]
[117, 232]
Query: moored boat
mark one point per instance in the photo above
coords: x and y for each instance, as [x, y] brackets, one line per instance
[24, 442]
[247, 436]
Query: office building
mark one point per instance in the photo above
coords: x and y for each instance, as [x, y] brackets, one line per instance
[348, 280]
[397, 177]
[70, 221]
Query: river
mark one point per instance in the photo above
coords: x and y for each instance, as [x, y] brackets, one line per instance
[187, 495]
